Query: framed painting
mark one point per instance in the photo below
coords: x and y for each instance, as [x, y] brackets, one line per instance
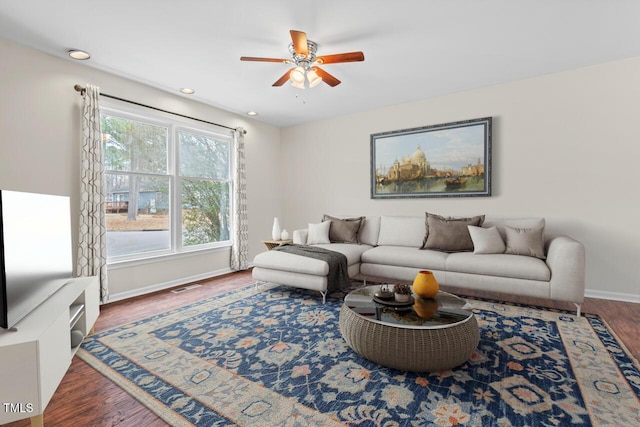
[447, 160]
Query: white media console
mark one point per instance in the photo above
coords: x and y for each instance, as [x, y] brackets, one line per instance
[37, 352]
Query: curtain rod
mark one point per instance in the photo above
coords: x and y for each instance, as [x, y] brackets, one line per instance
[81, 89]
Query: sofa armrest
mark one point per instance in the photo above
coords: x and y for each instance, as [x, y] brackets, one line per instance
[300, 236]
[566, 260]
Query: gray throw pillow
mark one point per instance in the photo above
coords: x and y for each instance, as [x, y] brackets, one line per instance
[525, 241]
[344, 230]
[486, 240]
[450, 234]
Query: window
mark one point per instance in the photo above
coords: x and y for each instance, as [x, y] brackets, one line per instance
[168, 186]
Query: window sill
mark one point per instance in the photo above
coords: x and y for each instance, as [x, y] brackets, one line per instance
[115, 265]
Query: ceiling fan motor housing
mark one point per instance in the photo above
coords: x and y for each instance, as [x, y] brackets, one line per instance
[302, 60]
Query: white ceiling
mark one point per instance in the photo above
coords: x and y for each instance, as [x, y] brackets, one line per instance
[414, 49]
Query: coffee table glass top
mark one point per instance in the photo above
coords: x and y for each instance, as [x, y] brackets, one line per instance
[442, 311]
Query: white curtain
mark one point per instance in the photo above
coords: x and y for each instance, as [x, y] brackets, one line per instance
[92, 250]
[240, 248]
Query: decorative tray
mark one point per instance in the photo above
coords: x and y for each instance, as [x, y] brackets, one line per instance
[393, 303]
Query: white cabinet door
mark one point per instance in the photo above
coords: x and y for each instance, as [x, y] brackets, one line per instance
[54, 356]
[19, 382]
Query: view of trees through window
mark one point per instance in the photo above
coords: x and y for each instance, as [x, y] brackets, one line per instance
[167, 188]
[204, 168]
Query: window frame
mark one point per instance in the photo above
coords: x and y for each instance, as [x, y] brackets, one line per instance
[174, 125]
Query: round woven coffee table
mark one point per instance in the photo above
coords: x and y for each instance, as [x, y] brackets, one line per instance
[428, 335]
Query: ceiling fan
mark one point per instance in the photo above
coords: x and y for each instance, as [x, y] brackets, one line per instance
[303, 55]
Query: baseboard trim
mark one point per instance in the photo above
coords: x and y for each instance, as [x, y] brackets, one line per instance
[615, 296]
[166, 285]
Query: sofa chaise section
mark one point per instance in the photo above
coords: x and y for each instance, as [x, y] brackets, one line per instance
[304, 272]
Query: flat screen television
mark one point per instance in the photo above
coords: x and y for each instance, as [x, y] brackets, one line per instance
[35, 251]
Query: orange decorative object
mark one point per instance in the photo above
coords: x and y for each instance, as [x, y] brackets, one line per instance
[425, 284]
[425, 307]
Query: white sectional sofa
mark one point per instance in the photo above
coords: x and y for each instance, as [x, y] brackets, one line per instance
[390, 247]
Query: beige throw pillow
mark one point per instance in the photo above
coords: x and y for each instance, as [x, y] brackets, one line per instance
[525, 241]
[318, 233]
[486, 240]
[344, 230]
[450, 234]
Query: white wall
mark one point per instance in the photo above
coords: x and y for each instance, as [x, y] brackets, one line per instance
[40, 150]
[565, 146]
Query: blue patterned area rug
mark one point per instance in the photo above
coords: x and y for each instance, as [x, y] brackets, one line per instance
[275, 357]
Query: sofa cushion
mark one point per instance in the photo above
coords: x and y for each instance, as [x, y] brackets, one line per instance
[343, 230]
[351, 251]
[501, 265]
[486, 240]
[319, 233]
[403, 256]
[525, 241]
[449, 234]
[401, 231]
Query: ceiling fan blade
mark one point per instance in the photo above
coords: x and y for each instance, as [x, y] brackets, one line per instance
[326, 77]
[252, 58]
[300, 42]
[340, 57]
[282, 79]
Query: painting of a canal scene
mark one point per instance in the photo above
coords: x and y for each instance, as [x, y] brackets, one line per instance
[447, 160]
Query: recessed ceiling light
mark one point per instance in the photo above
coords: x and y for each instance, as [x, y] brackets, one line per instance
[252, 113]
[79, 54]
[187, 91]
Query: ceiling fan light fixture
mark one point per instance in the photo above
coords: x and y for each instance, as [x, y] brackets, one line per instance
[297, 75]
[299, 85]
[313, 77]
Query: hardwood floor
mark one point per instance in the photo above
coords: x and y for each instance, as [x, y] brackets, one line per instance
[86, 398]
